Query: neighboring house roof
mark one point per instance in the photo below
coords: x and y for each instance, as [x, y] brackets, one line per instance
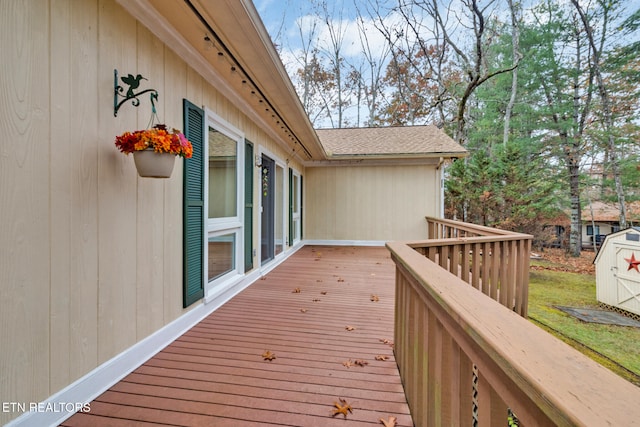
[609, 212]
[402, 141]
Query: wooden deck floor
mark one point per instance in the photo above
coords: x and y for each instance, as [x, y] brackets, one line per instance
[215, 375]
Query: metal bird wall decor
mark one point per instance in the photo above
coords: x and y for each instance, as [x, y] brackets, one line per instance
[133, 82]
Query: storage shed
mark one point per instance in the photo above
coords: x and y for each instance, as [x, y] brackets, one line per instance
[618, 271]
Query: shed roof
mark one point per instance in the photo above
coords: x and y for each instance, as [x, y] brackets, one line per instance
[394, 141]
[613, 236]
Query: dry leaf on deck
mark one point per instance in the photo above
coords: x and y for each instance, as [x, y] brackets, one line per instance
[350, 328]
[296, 291]
[316, 300]
[323, 292]
[386, 341]
[360, 362]
[342, 408]
[303, 310]
[391, 422]
[347, 363]
[341, 280]
[381, 357]
[375, 298]
[267, 355]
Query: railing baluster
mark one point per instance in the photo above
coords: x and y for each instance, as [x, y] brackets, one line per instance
[477, 262]
[446, 331]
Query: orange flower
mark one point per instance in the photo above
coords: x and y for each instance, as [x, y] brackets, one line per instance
[159, 138]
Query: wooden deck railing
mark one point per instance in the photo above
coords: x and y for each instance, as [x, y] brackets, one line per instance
[491, 260]
[465, 359]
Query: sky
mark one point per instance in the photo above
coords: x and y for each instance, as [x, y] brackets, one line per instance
[280, 17]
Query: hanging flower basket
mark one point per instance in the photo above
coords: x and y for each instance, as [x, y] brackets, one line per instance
[154, 165]
[154, 150]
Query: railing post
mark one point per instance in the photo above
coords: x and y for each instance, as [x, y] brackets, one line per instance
[448, 334]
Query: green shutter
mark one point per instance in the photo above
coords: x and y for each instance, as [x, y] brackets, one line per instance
[290, 207]
[193, 205]
[248, 206]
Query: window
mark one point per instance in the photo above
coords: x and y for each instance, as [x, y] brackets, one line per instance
[223, 176]
[590, 230]
[222, 251]
[224, 181]
[295, 207]
[279, 225]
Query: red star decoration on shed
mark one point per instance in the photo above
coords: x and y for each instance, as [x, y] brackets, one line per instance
[633, 263]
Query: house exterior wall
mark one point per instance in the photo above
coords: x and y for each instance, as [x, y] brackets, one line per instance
[90, 254]
[602, 229]
[370, 203]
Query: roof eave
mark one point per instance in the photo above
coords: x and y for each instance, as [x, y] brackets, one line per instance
[387, 159]
[256, 83]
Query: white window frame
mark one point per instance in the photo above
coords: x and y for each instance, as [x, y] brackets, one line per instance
[230, 225]
[296, 217]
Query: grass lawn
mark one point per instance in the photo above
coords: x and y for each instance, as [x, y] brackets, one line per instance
[549, 287]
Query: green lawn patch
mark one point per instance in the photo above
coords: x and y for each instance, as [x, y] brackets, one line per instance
[619, 344]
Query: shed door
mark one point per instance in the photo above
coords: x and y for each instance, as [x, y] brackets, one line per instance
[628, 278]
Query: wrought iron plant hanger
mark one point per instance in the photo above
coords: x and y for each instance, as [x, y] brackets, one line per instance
[133, 82]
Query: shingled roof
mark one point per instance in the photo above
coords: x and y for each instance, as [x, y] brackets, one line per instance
[400, 141]
[610, 212]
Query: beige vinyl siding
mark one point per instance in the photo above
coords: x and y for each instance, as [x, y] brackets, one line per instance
[90, 254]
[368, 203]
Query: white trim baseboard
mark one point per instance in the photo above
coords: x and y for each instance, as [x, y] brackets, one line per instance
[346, 242]
[53, 410]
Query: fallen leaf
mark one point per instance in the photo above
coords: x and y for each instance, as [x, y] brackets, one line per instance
[341, 280]
[263, 278]
[350, 328]
[323, 292]
[374, 298]
[347, 363]
[303, 310]
[342, 408]
[391, 422]
[386, 341]
[315, 300]
[360, 362]
[267, 355]
[382, 357]
[296, 291]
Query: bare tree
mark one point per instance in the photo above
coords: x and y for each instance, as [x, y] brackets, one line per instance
[376, 58]
[336, 30]
[473, 63]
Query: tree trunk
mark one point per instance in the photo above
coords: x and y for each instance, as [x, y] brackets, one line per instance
[606, 107]
[575, 235]
[515, 36]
